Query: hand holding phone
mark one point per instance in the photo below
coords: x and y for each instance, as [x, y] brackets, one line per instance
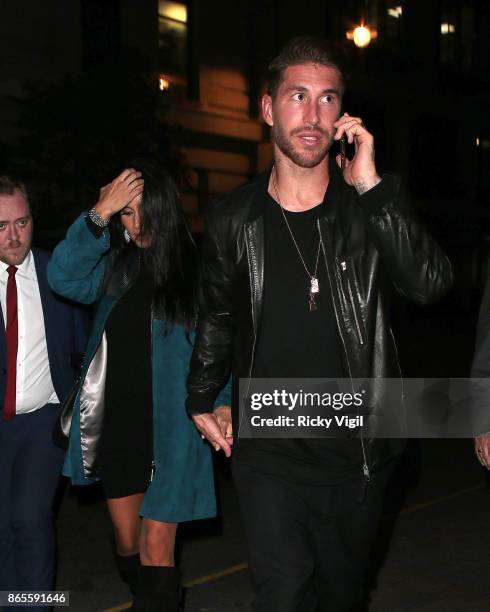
[360, 171]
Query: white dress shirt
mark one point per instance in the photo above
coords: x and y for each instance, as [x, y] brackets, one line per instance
[34, 384]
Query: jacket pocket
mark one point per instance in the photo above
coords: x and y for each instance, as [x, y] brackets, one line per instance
[351, 298]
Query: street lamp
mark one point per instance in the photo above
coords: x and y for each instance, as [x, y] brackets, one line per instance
[361, 35]
[163, 82]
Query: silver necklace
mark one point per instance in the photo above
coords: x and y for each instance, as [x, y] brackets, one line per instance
[314, 284]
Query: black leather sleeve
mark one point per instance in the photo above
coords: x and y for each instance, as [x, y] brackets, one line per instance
[480, 369]
[416, 264]
[481, 360]
[211, 358]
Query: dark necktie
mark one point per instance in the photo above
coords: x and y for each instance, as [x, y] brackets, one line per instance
[12, 341]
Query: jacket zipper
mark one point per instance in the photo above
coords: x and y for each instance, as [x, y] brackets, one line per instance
[252, 262]
[399, 367]
[365, 467]
[343, 265]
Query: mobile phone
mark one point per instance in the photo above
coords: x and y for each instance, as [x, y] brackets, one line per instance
[341, 148]
[342, 152]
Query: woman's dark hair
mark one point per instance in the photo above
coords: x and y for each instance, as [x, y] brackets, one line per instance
[171, 257]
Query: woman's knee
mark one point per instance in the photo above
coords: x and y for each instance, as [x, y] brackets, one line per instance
[158, 543]
[126, 543]
[127, 535]
[126, 522]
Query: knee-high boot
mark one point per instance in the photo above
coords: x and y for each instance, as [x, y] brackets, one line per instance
[158, 589]
[129, 570]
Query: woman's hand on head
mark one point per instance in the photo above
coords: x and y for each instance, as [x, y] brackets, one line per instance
[123, 190]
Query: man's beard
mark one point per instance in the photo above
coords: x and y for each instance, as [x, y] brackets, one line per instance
[304, 159]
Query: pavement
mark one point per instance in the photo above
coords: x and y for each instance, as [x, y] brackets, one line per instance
[433, 552]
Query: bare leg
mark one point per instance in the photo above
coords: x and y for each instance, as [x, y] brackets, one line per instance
[157, 543]
[156, 582]
[126, 520]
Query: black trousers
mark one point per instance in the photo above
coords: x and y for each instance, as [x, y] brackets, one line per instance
[309, 546]
[29, 475]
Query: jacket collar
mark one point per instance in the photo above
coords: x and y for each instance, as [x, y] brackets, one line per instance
[124, 273]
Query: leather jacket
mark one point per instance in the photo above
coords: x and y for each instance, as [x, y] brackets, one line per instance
[371, 244]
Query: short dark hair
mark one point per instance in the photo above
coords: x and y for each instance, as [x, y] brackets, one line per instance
[305, 50]
[9, 185]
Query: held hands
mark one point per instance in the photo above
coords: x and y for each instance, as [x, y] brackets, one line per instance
[123, 190]
[216, 427]
[360, 171]
[482, 449]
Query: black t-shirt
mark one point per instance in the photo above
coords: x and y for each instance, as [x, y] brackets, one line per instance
[295, 342]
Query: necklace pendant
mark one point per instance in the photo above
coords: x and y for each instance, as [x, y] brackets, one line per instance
[314, 286]
[312, 302]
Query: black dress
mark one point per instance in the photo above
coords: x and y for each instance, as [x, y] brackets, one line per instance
[125, 454]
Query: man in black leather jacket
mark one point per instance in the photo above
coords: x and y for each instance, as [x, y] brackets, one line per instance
[298, 268]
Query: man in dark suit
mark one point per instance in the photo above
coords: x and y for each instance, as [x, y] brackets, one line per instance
[40, 335]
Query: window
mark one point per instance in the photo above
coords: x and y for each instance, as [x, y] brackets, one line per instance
[393, 19]
[449, 33]
[458, 36]
[172, 42]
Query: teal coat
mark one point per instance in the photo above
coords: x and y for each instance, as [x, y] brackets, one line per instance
[182, 488]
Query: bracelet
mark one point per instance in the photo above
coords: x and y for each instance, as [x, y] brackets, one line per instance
[97, 219]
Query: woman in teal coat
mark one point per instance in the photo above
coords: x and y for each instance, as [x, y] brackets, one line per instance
[134, 256]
